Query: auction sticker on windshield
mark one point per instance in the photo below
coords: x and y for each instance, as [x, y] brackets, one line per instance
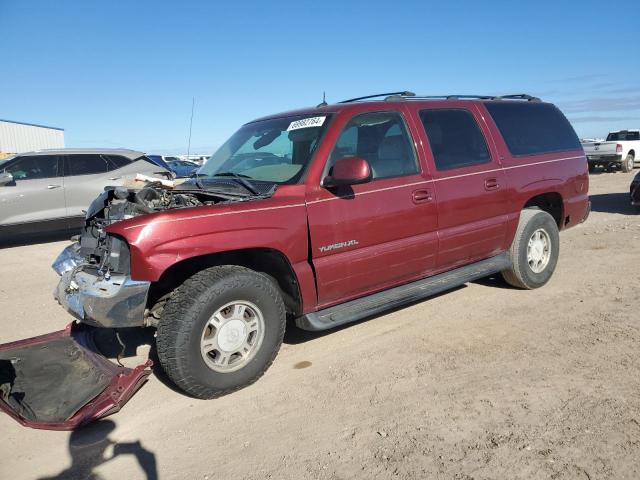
[306, 123]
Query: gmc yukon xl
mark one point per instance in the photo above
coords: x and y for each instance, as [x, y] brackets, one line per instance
[320, 216]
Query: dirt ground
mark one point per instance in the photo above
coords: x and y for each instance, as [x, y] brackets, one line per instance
[484, 382]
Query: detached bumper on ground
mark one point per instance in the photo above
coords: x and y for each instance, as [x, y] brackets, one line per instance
[60, 381]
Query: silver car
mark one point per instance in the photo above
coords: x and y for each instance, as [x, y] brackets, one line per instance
[49, 190]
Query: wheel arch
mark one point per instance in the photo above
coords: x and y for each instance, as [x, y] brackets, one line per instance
[550, 202]
[268, 261]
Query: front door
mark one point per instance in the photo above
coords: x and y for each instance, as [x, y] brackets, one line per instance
[370, 236]
[37, 193]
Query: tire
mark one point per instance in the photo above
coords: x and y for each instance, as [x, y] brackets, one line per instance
[528, 274]
[627, 165]
[592, 168]
[196, 314]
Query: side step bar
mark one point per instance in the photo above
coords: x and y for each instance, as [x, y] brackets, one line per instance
[376, 303]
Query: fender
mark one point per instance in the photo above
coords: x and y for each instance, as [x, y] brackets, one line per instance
[161, 240]
[526, 192]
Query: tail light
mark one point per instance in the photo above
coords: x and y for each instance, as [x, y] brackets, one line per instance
[618, 148]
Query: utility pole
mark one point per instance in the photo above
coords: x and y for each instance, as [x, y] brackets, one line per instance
[193, 104]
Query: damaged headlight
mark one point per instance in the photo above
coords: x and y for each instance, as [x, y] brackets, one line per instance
[108, 253]
[118, 255]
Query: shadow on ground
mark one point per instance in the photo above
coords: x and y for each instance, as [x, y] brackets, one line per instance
[612, 203]
[295, 336]
[31, 239]
[494, 281]
[91, 447]
[124, 344]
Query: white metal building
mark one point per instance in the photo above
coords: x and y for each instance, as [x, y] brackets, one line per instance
[19, 137]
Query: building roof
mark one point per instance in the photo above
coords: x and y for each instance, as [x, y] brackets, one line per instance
[31, 124]
[130, 154]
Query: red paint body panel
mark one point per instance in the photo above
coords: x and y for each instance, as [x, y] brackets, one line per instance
[384, 236]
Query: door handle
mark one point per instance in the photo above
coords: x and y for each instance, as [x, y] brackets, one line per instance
[421, 196]
[115, 178]
[51, 187]
[491, 184]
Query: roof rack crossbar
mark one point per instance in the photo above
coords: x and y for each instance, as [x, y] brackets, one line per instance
[404, 93]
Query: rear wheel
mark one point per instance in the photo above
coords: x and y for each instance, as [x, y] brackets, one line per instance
[221, 331]
[534, 251]
[628, 163]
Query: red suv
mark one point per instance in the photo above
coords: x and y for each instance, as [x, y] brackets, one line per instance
[325, 216]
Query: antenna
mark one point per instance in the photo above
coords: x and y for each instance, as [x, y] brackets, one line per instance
[324, 101]
[193, 104]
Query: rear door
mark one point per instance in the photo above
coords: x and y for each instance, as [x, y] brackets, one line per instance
[36, 194]
[85, 176]
[370, 236]
[469, 182]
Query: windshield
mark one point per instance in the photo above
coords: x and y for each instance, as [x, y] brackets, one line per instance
[276, 150]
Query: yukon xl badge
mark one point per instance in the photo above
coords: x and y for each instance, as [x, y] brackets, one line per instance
[336, 246]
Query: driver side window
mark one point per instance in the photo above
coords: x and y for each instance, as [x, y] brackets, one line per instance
[34, 167]
[381, 139]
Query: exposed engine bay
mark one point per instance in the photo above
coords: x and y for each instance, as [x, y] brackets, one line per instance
[109, 254]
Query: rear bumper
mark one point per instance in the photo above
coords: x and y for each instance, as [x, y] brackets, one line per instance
[604, 159]
[113, 301]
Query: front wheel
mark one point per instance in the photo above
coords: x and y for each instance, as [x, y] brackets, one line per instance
[221, 331]
[534, 251]
[628, 163]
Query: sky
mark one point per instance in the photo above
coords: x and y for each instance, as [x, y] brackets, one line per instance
[123, 74]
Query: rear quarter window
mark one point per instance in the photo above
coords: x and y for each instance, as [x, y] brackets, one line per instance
[116, 161]
[533, 128]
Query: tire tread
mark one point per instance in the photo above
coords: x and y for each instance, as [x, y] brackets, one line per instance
[194, 294]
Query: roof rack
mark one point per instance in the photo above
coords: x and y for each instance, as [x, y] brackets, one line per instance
[402, 94]
[412, 96]
[516, 96]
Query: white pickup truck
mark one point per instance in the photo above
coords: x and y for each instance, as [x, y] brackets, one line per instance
[619, 150]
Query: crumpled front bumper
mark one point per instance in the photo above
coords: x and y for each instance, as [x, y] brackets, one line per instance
[113, 301]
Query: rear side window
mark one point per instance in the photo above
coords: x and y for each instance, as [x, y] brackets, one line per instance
[32, 167]
[85, 164]
[533, 128]
[455, 138]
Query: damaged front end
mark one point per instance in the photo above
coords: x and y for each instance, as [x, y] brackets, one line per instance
[95, 285]
[61, 380]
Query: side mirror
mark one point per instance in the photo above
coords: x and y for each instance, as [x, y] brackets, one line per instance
[5, 179]
[348, 171]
